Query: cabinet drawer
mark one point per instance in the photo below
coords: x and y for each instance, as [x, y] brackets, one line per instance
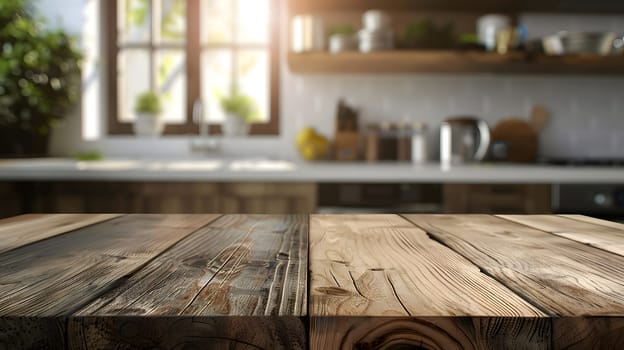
[499, 199]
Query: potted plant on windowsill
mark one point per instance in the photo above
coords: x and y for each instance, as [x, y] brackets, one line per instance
[240, 111]
[148, 122]
[39, 80]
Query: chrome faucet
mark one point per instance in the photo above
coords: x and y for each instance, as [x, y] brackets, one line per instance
[203, 144]
[198, 117]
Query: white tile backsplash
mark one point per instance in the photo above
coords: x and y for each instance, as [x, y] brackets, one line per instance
[583, 109]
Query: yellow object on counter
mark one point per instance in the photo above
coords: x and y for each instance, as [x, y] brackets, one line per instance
[312, 145]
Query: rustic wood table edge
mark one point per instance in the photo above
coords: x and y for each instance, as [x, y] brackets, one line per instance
[320, 281]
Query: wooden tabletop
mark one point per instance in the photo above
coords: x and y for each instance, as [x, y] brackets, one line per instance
[376, 281]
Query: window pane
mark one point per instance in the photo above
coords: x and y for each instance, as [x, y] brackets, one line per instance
[253, 21]
[253, 79]
[171, 83]
[134, 21]
[216, 21]
[216, 79]
[172, 21]
[133, 79]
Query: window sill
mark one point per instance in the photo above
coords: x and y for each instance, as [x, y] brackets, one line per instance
[257, 129]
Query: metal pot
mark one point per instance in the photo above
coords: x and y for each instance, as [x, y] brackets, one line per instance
[463, 139]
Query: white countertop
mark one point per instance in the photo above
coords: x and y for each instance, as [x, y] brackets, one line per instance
[263, 170]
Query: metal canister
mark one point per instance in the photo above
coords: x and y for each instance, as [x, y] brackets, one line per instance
[307, 34]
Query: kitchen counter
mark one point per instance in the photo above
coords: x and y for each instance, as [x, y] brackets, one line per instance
[259, 170]
[376, 281]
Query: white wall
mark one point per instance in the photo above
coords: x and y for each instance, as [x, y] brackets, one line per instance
[587, 117]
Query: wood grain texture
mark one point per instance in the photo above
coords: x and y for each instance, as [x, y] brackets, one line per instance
[607, 237]
[240, 265]
[450, 61]
[182, 332]
[430, 333]
[595, 221]
[25, 229]
[496, 199]
[382, 265]
[56, 276]
[565, 277]
[33, 333]
[164, 197]
[588, 333]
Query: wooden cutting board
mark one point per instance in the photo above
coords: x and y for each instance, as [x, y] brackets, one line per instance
[514, 140]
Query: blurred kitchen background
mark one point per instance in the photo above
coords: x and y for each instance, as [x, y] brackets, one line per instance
[272, 106]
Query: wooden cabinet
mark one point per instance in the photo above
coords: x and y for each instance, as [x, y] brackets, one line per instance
[497, 199]
[269, 198]
[157, 197]
[153, 197]
[260, 198]
[478, 6]
[10, 201]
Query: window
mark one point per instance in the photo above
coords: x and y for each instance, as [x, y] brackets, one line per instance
[189, 49]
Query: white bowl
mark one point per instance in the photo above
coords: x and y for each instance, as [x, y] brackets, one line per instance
[376, 20]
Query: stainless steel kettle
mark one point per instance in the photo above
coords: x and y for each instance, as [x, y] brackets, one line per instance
[463, 139]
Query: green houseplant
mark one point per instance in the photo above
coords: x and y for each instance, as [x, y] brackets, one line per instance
[148, 102]
[147, 121]
[39, 79]
[240, 111]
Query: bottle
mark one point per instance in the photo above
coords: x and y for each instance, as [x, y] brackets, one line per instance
[419, 143]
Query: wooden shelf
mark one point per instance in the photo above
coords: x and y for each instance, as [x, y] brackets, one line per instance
[480, 6]
[417, 61]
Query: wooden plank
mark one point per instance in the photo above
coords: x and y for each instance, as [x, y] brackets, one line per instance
[596, 221]
[581, 333]
[25, 229]
[563, 276]
[55, 276]
[376, 265]
[450, 6]
[609, 238]
[229, 267]
[443, 333]
[250, 268]
[33, 333]
[184, 332]
[450, 61]
[384, 267]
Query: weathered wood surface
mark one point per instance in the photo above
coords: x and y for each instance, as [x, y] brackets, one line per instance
[382, 266]
[359, 262]
[25, 229]
[33, 333]
[582, 333]
[597, 233]
[377, 281]
[563, 276]
[52, 278]
[187, 332]
[56, 276]
[429, 333]
[595, 221]
[239, 266]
